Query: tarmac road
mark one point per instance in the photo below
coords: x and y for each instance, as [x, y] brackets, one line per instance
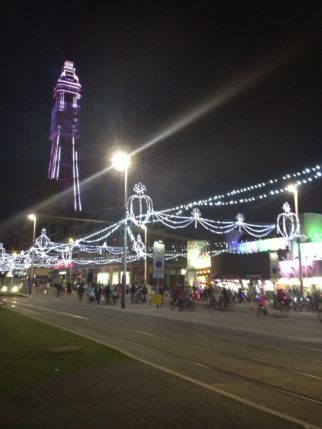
[270, 365]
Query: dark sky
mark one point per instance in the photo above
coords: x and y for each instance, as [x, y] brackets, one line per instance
[144, 67]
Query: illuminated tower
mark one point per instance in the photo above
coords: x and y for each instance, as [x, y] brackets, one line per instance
[64, 134]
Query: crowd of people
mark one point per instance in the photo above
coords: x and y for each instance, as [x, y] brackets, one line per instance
[214, 295]
[94, 292]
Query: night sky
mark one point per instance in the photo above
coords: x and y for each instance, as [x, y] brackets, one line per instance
[248, 73]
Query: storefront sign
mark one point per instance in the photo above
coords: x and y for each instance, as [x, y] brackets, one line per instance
[158, 260]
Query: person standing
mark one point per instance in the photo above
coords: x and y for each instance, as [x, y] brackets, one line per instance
[252, 295]
[107, 294]
[97, 292]
[69, 288]
[132, 292]
[115, 295]
[80, 292]
[262, 305]
[216, 295]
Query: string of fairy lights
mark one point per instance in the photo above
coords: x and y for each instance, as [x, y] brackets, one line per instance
[92, 249]
[258, 191]
[306, 176]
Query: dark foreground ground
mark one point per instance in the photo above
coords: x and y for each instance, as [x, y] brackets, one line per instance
[127, 395]
[118, 394]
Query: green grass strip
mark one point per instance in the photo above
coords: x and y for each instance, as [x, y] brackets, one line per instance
[32, 352]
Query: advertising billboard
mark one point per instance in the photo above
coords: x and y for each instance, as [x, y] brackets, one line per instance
[198, 254]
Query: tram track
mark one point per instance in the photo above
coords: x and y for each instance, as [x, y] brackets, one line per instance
[279, 343]
[234, 342]
[210, 335]
[252, 346]
[33, 311]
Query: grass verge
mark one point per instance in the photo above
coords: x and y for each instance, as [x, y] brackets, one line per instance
[32, 352]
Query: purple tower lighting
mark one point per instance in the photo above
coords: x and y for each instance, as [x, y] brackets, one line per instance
[64, 133]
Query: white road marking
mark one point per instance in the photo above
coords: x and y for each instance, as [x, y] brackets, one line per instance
[56, 311]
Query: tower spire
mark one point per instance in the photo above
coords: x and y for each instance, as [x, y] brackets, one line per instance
[64, 134]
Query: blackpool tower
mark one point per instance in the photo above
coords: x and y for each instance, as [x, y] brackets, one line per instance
[64, 135]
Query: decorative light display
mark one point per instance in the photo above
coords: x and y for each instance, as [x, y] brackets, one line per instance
[303, 177]
[102, 234]
[214, 226]
[288, 223]
[142, 203]
[46, 253]
[254, 192]
[88, 250]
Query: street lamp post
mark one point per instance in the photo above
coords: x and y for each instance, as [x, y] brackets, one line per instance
[121, 162]
[146, 249]
[34, 219]
[293, 189]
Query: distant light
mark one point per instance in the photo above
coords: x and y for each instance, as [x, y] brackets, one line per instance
[121, 161]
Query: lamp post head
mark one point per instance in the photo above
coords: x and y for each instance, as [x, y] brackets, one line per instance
[121, 161]
[292, 188]
[32, 217]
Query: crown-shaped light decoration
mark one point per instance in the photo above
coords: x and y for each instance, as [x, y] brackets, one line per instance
[288, 223]
[196, 214]
[140, 206]
[139, 188]
[43, 241]
[286, 207]
[240, 220]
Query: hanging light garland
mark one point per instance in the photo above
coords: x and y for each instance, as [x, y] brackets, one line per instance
[102, 234]
[49, 254]
[213, 226]
[303, 177]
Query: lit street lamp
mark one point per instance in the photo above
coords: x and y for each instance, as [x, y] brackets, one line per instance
[146, 250]
[293, 189]
[121, 162]
[34, 219]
